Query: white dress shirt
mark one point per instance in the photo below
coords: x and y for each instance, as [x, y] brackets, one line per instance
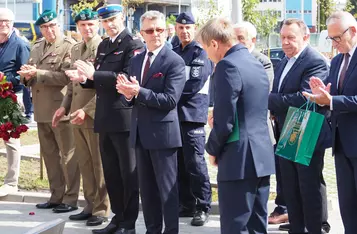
[289, 65]
[152, 58]
[351, 52]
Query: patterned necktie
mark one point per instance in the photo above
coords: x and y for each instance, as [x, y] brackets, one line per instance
[343, 72]
[147, 67]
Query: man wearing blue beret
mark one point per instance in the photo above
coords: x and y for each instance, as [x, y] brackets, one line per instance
[194, 184]
[112, 118]
[44, 73]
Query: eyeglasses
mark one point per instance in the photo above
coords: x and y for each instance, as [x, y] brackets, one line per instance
[151, 31]
[5, 21]
[337, 38]
[46, 27]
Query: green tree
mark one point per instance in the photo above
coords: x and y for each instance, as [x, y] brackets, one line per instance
[207, 11]
[171, 20]
[326, 7]
[265, 21]
[351, 6]
[81, 5]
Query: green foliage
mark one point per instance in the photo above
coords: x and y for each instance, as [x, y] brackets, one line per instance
[264, 22]
[207, 11]
[351, 6]
[327, 7]
[131, 3]
[171, 20]
[81, 5]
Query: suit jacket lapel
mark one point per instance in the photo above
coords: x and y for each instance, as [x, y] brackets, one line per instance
[141, 58]
[279, 71]
[155, 66]
[296, 64]
[335, 75]
[350, 68]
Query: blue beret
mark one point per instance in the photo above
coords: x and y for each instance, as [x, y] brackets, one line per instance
[46, 16]
[109, 11]
[185, 18]
[86, 14]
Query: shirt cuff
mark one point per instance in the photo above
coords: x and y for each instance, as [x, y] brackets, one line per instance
[331, 108]
[83, 82]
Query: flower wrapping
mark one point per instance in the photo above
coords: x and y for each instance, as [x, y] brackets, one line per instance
[11, 119]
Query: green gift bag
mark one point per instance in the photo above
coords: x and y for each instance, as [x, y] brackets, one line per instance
[234, 136]
[299, 135]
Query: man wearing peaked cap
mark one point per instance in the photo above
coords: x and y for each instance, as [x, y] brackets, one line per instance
[194, 184]
[44, 73]
[112, 118]
[81, 103]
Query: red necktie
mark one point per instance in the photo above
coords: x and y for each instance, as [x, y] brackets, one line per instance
[146, 68]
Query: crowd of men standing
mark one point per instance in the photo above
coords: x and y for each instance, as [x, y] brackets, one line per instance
[129, 115]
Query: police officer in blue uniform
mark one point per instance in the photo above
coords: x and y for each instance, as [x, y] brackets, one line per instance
[194, 185]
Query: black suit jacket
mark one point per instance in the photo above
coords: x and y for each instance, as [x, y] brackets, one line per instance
[112, 58]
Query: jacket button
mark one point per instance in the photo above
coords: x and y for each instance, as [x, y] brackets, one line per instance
[37, 91]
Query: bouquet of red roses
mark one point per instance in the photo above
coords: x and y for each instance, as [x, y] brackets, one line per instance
[11, 119]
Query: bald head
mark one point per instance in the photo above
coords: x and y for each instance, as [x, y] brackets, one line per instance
[6, 23]
[342, 30]
[6, 14]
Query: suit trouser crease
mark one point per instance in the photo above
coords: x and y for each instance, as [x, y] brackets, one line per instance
[120, 173]
[13, 161]
[157, 171]
[346, 175]
[303, 197]
[90, 165]
[57, 150]
[243, 205]
[194, 184]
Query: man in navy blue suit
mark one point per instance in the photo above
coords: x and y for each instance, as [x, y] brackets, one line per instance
[245, 162]
[194, 185]
[340, 95]
[157, 78]
[300, 183]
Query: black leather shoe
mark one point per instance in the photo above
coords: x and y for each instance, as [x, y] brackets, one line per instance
[80, 216]
[110, 229]
[285, 227]
[200, 218]
[47, 205]
[63, 208]
[125, 231]
[96, 220]
[325, 227]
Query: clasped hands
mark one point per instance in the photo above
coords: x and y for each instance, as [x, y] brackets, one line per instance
[85, 70]
[320, 93]
[128, 87]
[27, 71]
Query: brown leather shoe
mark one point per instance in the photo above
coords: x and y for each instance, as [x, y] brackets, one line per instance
[276, 218]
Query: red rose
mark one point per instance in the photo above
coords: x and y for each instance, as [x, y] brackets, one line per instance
[9, 126]
[6, 136]
[15, 135]
[3, 128]
[21, 128]
[2, 75]
[13, 97]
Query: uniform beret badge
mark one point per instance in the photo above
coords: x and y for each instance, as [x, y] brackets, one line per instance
[46, 19]
[183, 21]
[83, 16]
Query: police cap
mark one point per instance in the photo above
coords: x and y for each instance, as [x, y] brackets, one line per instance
[185, 18]
[109, 11]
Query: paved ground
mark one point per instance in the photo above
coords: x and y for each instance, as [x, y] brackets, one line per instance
[15, 219]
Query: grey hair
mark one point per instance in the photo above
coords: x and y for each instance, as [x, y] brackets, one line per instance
[343, 17]
[218, 29]
[8, 13]
[249, 28]
[152, 15]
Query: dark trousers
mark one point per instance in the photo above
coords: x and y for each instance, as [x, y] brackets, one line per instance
[243, 205]
[119, 166]
[346, 173]
[302, 193]
[194, 185]
[26, 98]
[157, 170]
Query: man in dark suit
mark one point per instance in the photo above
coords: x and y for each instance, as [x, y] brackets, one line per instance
[194, 184]
[112, 118]
[340, 96]
[157, 78]
[300, 183]
[239, 142]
